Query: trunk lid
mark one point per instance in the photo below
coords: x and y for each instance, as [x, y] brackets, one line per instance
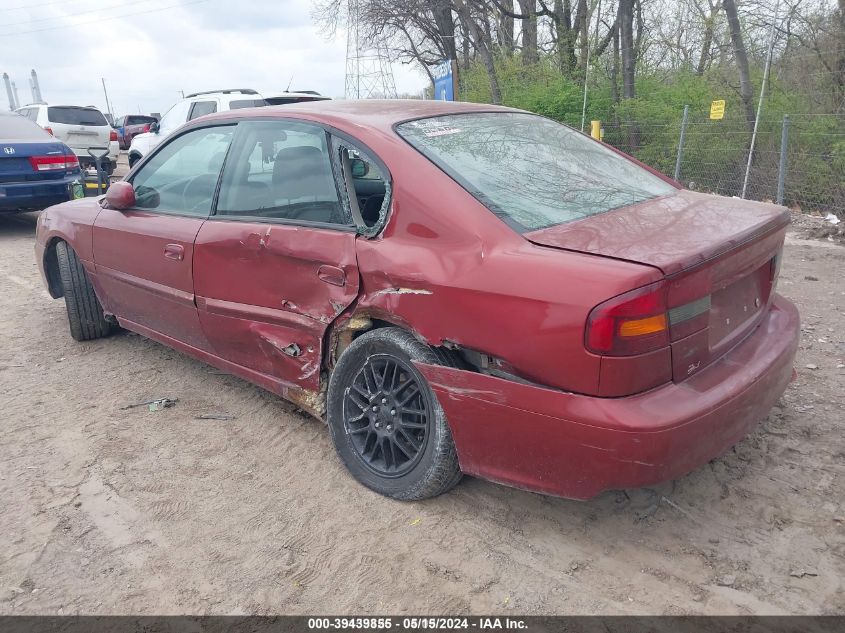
[719, 256]
[672, 233]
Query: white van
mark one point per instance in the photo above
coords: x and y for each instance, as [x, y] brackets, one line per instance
[79, 127]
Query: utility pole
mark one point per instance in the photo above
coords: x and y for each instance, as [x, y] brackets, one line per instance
[760, 102]
[108, 105]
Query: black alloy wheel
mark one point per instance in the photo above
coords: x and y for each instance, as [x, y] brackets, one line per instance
[385, 421]
[386, 416]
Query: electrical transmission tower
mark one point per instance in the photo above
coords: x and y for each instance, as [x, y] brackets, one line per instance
[368, 72]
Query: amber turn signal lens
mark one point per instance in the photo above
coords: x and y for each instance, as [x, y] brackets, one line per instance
[640, 327]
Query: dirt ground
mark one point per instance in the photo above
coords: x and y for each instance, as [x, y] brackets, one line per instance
[112, 511]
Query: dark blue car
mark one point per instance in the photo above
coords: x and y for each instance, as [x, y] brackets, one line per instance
[36, 169]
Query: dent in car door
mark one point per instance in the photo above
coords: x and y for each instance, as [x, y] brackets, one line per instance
[144, 256]
[267, 292]
[276, 263]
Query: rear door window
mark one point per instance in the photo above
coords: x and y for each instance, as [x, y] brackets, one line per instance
[280, 170]
[201, 108]
[72, 115]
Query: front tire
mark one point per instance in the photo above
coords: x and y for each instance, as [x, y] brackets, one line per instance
[84, 312]
[386, 423]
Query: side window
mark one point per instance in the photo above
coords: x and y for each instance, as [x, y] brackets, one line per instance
[367, 186]
[174, 117]
[282, 170]
[201, 108]
[181, 177]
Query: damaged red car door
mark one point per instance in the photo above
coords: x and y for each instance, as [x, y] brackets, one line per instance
[276, 262]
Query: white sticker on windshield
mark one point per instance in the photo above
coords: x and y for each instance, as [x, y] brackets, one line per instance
[443, 132]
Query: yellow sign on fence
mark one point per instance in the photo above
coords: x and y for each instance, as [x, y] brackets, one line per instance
[717, 110]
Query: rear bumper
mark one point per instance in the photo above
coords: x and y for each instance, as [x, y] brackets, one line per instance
[35, 194]
[577, 446]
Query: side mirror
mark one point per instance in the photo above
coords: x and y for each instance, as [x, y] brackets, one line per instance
[154, 127]
[120, 196]
[358, 167]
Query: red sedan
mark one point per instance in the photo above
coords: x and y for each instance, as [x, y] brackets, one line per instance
[454, 288]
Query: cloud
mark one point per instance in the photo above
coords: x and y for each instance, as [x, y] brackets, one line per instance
[146, 59]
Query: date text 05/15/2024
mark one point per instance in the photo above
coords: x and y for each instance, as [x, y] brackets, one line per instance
[417, 623]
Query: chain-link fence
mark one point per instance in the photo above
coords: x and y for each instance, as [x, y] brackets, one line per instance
[798, 160]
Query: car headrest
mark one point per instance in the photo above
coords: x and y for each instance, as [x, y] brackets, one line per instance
[300, 172]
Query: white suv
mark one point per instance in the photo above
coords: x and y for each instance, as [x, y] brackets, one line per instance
[79, 127]
[193, 106]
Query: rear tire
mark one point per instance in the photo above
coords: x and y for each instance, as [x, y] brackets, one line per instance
[84, 312]
[385, 421]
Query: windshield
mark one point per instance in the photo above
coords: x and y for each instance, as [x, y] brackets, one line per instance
[75, 116]
[531, 171]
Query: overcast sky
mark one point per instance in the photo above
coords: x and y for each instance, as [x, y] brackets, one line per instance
[191, 45]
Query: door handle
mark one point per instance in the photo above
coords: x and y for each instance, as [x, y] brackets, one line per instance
[332, 275]
[175, 252]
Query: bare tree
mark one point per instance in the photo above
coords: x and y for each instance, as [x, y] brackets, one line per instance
[741, 58]
[477, 37]
[626, 46]
[709, 28]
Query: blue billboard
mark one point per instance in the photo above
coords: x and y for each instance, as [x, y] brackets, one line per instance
[444, 84]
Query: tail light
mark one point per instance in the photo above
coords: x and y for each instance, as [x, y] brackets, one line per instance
[147, 127]
[113, 135]
[49, 130]
[54, 163]
[642, 320]
[632, 323]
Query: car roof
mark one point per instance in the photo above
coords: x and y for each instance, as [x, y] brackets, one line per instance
[223, 91]
[381, 114]
[61, 105]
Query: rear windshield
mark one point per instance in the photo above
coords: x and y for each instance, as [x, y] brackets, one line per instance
[137, 119]
[247, 103]
[530, 171]
[19, 128]
[72, 115]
